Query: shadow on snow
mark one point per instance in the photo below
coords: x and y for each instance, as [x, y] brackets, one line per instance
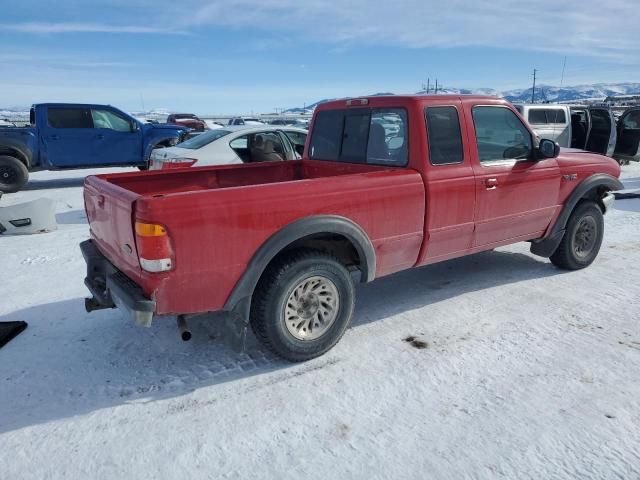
[71, 363]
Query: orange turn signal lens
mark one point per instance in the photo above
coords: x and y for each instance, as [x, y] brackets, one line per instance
[150, 229]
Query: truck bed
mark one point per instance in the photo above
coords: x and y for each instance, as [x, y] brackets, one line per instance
[218, 217]
[230, 176]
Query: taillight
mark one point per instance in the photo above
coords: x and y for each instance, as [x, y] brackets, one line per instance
[154, 247]
[177, 163]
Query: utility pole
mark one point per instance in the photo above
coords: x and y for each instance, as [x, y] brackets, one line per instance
[436, 90]
[533, 90]
[428, 85]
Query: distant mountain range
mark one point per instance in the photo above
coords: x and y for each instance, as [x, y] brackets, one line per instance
[543, 93]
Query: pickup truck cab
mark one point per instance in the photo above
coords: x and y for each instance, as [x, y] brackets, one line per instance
[385, 184]
[66, 136]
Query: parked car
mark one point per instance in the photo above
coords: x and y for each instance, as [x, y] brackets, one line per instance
[628, 144]
[188, 120]
[281, 245]
[575, 126]
[212, 125]
[66, 135]
[240, 121]
[233, 145]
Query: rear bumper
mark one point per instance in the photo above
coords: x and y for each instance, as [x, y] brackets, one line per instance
[110, 288]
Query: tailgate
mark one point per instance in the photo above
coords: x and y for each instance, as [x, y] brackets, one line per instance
[110, 211]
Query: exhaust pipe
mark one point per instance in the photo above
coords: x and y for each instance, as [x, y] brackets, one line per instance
[185, 332]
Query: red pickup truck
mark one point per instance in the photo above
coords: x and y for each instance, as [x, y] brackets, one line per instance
[385, 184]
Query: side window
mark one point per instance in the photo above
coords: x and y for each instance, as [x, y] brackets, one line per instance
[240, 142]
[556, 115]
[631, 121]
[69, 118]
[443, 135]
[500, 134]
[540, 116]
[296, 138]
[110, 120]
[537, 116]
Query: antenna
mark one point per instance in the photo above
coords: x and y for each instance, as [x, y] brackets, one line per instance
[533, 90]
[428, 84]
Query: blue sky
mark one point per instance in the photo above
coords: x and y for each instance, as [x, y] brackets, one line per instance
[256, 55]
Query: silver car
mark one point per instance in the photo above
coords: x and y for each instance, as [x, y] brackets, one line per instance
[233, 145]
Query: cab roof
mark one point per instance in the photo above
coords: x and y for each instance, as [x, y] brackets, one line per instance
[389, 100]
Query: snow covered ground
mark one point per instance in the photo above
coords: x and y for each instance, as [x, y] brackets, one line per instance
[528, 372]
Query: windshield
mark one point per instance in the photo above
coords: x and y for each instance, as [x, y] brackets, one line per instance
[203, 139]
[184, 116]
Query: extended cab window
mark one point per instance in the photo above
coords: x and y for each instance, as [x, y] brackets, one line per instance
[443, 135]
[377, 136]
[110, 120]
[500, 134]
[69, 117]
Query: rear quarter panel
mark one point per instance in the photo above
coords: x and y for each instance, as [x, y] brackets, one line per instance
[216, 233]
[23, 140]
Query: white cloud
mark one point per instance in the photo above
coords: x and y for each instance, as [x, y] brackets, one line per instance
[572, 27]
[584, 27]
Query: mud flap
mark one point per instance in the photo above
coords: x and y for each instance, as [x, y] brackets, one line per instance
[234, 331]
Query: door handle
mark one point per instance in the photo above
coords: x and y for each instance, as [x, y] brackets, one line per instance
[491, 183]
[100, 136]
[54, 137]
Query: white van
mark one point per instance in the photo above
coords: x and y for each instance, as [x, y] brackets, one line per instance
[575, 126]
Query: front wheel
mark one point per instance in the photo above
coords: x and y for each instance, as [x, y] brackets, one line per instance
[582, 239]
[303, 305]
[13, 174]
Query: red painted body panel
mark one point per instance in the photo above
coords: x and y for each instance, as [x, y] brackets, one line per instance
[217, 225]
[218, 217]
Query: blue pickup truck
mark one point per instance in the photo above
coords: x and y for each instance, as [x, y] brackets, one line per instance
[66, 136]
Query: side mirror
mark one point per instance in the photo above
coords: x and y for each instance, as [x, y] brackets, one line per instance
[135, 127]
[548, 149]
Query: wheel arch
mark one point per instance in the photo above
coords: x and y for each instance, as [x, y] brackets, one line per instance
[593, 188]
[16, 150]
[332, 233]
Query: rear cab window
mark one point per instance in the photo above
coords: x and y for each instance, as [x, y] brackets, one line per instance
[376, 136]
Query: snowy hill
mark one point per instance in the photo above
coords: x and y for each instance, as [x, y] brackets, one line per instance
[543, 93]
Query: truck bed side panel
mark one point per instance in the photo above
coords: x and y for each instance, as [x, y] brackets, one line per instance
[215, 233]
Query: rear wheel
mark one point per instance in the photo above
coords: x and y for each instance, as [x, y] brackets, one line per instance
[303, 305]
[13, 174]
[582, 239]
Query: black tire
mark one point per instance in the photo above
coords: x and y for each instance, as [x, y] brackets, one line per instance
[271, 301]
[13, 174]
[582, 239]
